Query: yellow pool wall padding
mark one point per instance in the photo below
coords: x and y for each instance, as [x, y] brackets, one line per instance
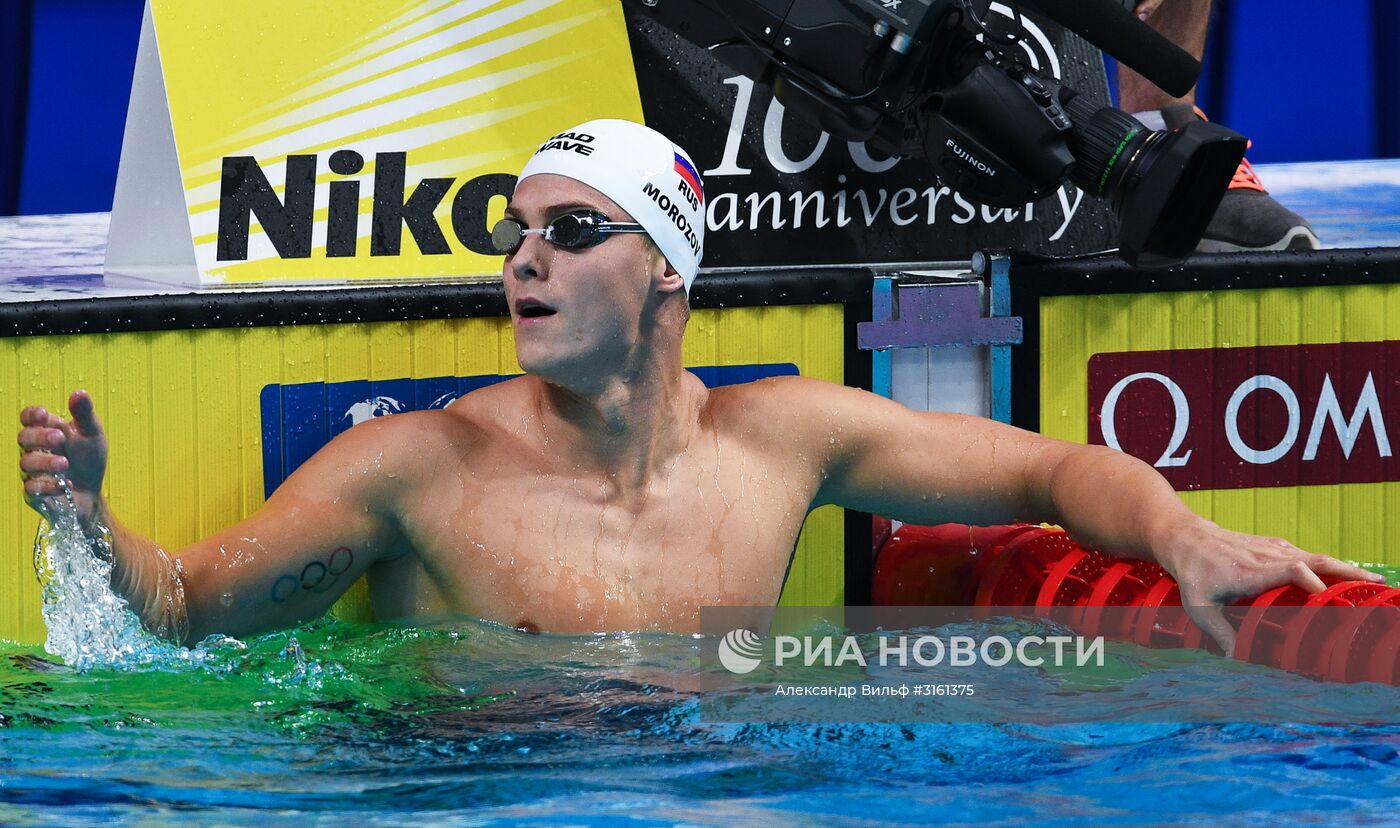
[1348, 520]
[181, 409]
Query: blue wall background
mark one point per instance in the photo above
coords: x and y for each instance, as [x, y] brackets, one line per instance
[1307, 82]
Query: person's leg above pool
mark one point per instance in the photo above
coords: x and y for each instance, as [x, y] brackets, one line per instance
[1248, 217]
[608, 488]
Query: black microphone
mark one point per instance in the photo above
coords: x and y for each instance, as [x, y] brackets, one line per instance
[1116, 30]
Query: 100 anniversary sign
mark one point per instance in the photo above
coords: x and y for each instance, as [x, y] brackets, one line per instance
[269, 142]
[782, 192]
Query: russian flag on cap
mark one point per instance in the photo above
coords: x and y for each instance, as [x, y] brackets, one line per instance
[691, 177]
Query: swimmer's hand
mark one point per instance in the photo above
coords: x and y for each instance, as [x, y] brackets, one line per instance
[51, 446]
[1215, 566]
[1145, 8]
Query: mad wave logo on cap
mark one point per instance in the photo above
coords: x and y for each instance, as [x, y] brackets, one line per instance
[739, 651]
[579, 142]
[692, 178]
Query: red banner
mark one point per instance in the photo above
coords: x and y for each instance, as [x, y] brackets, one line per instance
[1238, 418]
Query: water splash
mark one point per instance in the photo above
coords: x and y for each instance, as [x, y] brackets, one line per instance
[89, 625]
[305, 672]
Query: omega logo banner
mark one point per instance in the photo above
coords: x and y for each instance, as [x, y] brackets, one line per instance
[1233, 418]
[286, 141]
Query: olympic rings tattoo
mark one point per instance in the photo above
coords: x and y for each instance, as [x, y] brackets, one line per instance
[316, 577]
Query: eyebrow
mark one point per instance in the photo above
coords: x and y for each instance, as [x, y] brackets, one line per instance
[554, 210]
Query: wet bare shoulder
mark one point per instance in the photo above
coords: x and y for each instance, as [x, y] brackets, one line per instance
[400, 444]
[786, 411]
[498, 410]
[818, 419]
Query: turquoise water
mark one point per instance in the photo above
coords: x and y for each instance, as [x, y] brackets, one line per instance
[469, 723]
[473, 724]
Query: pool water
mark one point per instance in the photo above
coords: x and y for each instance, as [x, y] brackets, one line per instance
[469, 723]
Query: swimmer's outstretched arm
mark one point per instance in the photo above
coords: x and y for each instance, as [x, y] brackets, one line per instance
[932, 468]
[327, 524]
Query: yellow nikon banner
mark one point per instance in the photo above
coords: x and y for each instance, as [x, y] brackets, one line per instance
[311, 140]
[188, 430]
[315, 141]
[1274, 411]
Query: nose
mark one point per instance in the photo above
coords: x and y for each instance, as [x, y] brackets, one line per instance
[531, 259]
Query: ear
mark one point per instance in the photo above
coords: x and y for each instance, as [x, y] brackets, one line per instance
[670, 280]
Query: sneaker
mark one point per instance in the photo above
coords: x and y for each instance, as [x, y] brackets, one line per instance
[1248, 218]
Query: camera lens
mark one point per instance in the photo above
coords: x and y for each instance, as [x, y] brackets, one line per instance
[1163, 186]
[1108, 148]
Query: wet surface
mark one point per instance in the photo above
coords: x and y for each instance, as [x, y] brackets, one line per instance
[470, 723]
[1350, 204]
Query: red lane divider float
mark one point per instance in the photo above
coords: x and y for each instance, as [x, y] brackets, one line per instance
[1349, 632]
[935, 565]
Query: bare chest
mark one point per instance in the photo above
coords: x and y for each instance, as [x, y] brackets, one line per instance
[559, 552]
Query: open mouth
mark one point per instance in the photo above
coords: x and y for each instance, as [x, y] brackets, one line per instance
[532, 309]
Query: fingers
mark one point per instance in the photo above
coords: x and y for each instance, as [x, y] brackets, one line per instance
[38, 462]
[41, 486]
[41, 459]
[37, 415]
[1226, 565]
[41, 467]
[84, 412]
[36, 438]
[1340, 570]
[46, 440]
[1303, 577]
[80, 405]
[1305, 570]
[1211, 619]
[43, 430]
[43, 494]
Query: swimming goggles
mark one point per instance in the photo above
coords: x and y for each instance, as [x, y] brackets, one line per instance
[573, 231]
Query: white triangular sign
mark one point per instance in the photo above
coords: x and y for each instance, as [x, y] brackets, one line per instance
[150, 234]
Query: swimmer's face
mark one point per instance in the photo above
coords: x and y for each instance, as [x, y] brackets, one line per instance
[578, 314]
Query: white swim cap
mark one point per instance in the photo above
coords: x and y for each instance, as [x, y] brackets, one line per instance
[641, 170]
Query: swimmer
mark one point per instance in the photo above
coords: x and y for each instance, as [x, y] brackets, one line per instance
[608, 488]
